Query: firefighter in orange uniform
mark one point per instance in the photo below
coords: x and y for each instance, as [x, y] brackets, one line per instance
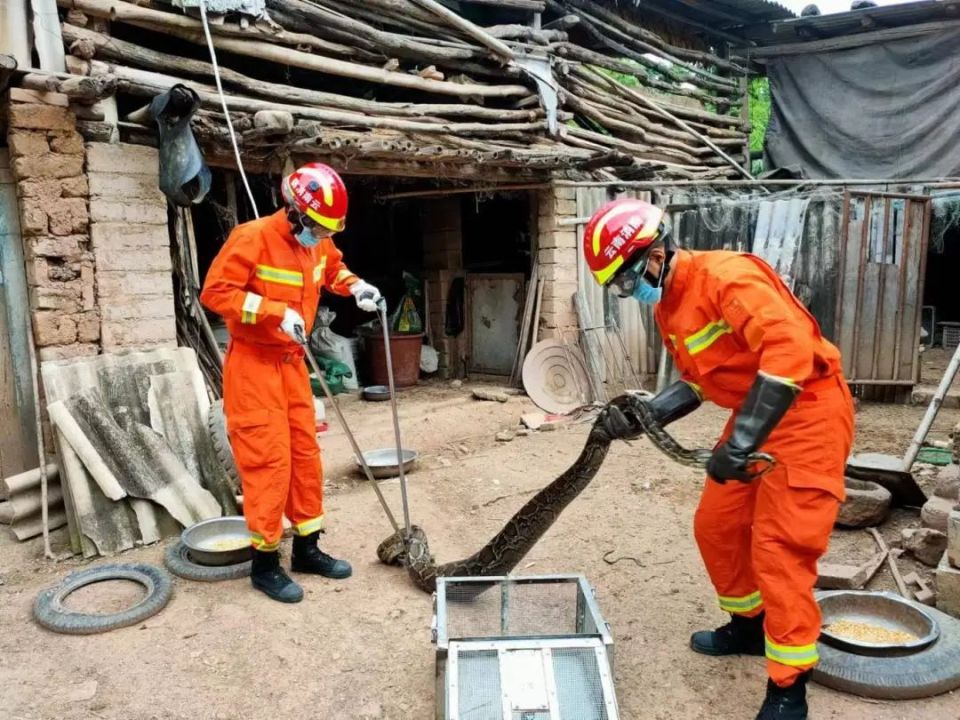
[742, 340]
[266, 283]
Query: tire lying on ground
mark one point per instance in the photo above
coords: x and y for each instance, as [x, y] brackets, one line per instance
[931, 671]
[178, 561]
[50, 612]
[217, 425]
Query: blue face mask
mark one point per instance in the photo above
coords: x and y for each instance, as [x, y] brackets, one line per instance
[306, 238]
[647, 293]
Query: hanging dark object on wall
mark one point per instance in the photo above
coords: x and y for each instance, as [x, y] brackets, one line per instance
[184, 176]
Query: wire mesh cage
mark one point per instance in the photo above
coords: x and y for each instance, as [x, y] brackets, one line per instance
[522, 648]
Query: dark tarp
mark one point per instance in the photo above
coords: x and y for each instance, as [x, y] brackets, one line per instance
[889, 110]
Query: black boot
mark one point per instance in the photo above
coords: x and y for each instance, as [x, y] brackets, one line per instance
[308, 558]
[268, 577]
[740, 636]
[789, 703]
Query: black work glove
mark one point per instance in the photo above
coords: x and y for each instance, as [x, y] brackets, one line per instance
[673, 403]
[766, 404]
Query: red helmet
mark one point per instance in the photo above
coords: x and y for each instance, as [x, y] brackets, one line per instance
[317, 191]
[618, 231]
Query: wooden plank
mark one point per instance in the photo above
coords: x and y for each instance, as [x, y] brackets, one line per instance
[908, 359]
[25, 95]
[852, 262]
[47, 39]
[592, 351]
[19, 419]
[851, 41]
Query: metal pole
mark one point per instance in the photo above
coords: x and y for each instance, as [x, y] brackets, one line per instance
[932, 410]
[382, 306]
[346, 429]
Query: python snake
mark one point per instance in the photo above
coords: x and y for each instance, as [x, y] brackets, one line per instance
[522, 531]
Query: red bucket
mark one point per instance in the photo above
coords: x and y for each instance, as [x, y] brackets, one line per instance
[405, 352]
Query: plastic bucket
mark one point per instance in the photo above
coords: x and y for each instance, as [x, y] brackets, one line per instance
[405, 350]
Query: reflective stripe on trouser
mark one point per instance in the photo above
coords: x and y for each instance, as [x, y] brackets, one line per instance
[272, 425]
[768, 534]
[744, 605]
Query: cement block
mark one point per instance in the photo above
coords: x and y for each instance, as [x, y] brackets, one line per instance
[124, 159]
[137, 333]
[953, 538]
[111, 284]
[88, 327]
[68, 216]
[64, 298]
[925, 544]
[116, 187]
[117, 236]
[126, 307]
[70, 143]
[48, 166]
[40, 117]
[558, 239]
[65, 352]
[948, 588]
[75, 187]
[39, 97]
[105, 211]
[141, 259]
[27, 144]
[935, 512]
[46, 190]
[54, 328]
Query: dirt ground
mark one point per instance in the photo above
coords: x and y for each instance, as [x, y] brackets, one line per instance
[360, 649]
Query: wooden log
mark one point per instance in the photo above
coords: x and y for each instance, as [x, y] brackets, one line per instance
[635, 112]
[528, 5]
[590, 57]
[631, 27]
[191, 31]
[683, 111]
[96, 131]
[526, 33]
[623, 39]
[85, 90]
[318, 17]
[680, 123]
[131, 54]
[611, 38]
[147, 84]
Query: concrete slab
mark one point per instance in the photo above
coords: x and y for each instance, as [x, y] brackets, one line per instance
[948, 588]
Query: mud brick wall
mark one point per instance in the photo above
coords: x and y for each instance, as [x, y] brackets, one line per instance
[443, 261]
[47, 161]
[131, 247]
[557, 254]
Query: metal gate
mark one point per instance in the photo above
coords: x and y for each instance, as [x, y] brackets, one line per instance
[883, 254]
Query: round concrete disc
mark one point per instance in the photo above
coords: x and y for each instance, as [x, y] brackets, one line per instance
[555, 377]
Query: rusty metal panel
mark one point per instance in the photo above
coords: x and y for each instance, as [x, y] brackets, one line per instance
[779, 234]
[495, 307]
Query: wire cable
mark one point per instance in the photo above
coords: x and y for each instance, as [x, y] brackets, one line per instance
[223, 101]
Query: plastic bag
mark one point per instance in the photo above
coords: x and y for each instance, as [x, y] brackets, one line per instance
[406, 318]
[429, 359]
[325, 342]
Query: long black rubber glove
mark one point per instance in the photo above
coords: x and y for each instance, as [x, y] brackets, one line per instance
[766, 404]
[673, 403]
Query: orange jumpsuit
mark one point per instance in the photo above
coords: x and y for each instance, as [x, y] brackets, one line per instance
[260, 271]
[725, 317]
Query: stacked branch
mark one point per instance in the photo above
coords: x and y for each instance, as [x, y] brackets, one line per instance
[427, 87]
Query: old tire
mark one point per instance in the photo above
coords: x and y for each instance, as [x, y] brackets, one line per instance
[50, 612]
[178, 561]
[217, 425]
[930, 672]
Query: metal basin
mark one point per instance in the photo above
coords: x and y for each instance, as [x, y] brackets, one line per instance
[880, 609]
[218, 541]
[376, 393]
[383, 461]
